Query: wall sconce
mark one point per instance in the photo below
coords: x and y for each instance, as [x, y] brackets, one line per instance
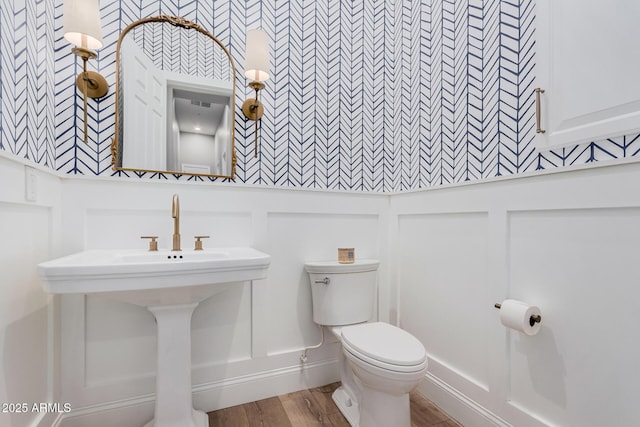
[81, 23]
[256, 69]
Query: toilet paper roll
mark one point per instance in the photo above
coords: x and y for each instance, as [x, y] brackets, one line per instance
[516, 315]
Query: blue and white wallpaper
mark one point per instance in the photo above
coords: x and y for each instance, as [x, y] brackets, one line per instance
[27, 80]
[365, 95]
[175, 50]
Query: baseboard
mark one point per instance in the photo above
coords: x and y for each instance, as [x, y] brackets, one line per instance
[207, 397]
[459, 406]
[275, 382]
[47, 419]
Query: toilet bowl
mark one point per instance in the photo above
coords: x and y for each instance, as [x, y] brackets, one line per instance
[379, 363]
[385, 363]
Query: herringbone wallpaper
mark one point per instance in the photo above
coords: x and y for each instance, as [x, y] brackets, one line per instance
[365, 95]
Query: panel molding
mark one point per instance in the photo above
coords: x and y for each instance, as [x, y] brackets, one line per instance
[606, 200]
[210, 396]
[465, 409]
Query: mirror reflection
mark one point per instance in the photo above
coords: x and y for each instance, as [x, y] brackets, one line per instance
[174, 100]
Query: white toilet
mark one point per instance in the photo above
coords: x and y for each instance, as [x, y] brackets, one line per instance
[379, 363]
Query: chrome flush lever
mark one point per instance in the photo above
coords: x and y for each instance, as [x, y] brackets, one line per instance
[324, 281]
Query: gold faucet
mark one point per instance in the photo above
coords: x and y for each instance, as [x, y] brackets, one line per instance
[175, 213]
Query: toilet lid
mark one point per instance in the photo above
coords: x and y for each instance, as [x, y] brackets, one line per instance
[385, 343]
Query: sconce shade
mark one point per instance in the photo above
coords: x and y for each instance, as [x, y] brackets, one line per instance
[82, 17]
[257, 56]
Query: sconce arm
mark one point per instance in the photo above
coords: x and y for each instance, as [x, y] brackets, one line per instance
[253, 110]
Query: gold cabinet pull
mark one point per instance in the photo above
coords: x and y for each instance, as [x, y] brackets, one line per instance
[538, 108]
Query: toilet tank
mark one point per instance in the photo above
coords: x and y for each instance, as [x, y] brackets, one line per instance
[342, 294]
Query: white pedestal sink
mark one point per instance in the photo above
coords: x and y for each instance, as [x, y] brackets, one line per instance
[171, 285]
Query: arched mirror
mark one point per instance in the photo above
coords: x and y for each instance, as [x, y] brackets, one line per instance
[175, 100]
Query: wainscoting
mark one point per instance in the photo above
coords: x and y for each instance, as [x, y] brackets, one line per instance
[28, 230]
[247, 341]
[568, 243]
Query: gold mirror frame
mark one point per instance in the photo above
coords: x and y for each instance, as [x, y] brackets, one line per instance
[189, 25]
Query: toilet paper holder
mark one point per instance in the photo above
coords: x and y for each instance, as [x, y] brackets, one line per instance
[536, 318]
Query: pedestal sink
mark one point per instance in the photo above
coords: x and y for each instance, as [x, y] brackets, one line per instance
[170, 284]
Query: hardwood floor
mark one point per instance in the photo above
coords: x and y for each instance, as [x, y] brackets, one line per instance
[314, 407]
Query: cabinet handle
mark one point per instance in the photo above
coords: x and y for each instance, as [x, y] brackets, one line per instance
[538, 108]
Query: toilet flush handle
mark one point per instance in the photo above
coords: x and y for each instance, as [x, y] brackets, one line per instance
[324, 281]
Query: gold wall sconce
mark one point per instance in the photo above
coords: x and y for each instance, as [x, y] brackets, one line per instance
[256, 69]
[81, 24]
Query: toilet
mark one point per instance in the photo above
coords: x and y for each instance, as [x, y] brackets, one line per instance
[379, 363]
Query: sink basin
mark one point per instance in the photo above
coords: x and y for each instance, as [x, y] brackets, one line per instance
[153, 278]
[170, 284]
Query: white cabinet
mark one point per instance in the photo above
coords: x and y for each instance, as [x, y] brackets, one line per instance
[588, 64]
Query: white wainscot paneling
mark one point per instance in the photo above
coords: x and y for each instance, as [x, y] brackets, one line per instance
[120, 343]
[121, 228]
[24, 319]
[109, 347]
[221, 332]
[293, 239]
[246, 342]
[443, 293]
[580, 267]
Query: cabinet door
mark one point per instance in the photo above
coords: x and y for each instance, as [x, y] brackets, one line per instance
[144, 109]
[588, 64]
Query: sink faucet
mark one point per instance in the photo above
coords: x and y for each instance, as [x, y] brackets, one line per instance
[175, 214]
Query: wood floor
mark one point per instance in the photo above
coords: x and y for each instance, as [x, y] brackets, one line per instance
[314, 407]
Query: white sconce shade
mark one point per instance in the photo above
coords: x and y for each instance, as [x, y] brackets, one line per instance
[257, 56]
[81, 27]
[82, 18]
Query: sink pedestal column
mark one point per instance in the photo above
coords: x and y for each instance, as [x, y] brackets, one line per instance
[174, 407]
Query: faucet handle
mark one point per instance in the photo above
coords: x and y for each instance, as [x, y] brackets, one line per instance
[153, 244]
[199, 242]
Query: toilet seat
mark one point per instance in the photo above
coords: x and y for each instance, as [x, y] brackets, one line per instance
[385, 346]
